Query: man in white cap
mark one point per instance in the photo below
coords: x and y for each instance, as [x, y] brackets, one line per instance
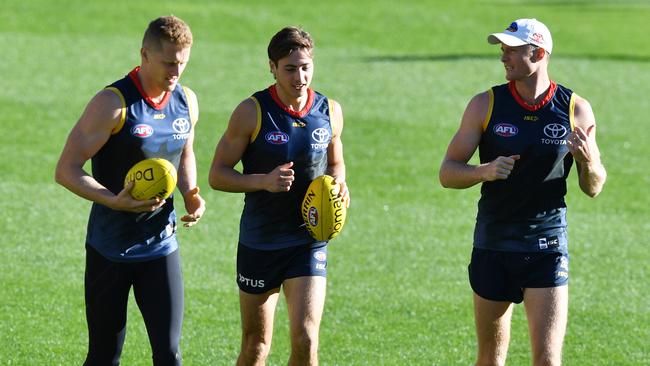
[529, 132]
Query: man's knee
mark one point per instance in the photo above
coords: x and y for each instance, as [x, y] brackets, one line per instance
[94, 358]
[548, 358]
[105, 352]
[254, 348]
[170, 357]
[492, 354]
[491, 360]
[305, 343]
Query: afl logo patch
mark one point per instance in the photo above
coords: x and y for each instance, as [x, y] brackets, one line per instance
[313, 216]
[505, 130]
[142, 130]
[181, 125]
[320, 256]
[277, 137]
[555, 130]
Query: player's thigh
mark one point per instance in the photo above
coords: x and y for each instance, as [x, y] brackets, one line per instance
[158, 290]
[547, 309]
[492, 319]
[257, 314]
[106, 286]
[305, 302]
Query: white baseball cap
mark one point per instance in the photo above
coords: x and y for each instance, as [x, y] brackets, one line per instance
[524, 31]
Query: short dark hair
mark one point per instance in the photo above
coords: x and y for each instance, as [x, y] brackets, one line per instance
[287, 40]
[168, 28]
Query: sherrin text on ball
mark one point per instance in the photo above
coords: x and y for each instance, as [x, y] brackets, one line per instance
[154, 177]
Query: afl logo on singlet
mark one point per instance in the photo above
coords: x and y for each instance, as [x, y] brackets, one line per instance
[505, 130]
[277, 137]
[142, 130]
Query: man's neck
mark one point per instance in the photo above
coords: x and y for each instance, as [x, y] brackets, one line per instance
[532, 90]
[156, 95]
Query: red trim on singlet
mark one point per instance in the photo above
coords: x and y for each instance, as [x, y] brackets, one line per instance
[134, 76]
[549, 95]
[301, 113]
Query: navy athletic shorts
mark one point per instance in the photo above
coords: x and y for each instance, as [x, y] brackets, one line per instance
[259, 271]
[503, 276]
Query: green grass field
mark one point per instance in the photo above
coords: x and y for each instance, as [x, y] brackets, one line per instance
[403, 71]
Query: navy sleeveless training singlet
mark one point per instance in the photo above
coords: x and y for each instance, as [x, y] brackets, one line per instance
[526, 212]
[146, 130]
[273, 220]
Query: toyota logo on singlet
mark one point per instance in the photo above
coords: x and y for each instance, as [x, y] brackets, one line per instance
[555, 130]
[321, 135]
[181, 125]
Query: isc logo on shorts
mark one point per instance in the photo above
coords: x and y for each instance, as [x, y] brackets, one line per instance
[545, 243]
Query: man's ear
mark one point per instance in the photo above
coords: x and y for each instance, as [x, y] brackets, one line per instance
[272, 67]
[538, 54]
[143, 54]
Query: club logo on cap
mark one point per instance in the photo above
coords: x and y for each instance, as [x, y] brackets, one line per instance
[538, 37]
[513, 27]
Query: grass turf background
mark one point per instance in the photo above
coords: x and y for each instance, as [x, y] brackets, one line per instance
[403, 72]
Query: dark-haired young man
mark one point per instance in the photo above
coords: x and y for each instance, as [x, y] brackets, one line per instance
[285, 136]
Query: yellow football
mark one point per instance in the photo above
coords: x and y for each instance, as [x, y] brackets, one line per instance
[153, 178]
[323, 210]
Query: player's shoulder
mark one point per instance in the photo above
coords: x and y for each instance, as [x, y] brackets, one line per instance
[192, 102]
[478, 110]
[482, 98]
[583, 114]
[580, 102]
[246, 115]
[335, 105]
[336, 116]
[104, 111]
[189, 93]
[109, 96]
[108, 102]
[248, 107]
[480, 103]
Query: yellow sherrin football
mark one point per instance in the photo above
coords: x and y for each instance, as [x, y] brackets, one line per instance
[154, 177]
[323, 210]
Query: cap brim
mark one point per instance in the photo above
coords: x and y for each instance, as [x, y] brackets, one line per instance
[506, 39]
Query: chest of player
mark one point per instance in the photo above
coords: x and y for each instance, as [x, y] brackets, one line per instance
[290, 138]
[157, 133]
[517, 131]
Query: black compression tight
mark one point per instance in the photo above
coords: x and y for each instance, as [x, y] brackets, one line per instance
[158, 289]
